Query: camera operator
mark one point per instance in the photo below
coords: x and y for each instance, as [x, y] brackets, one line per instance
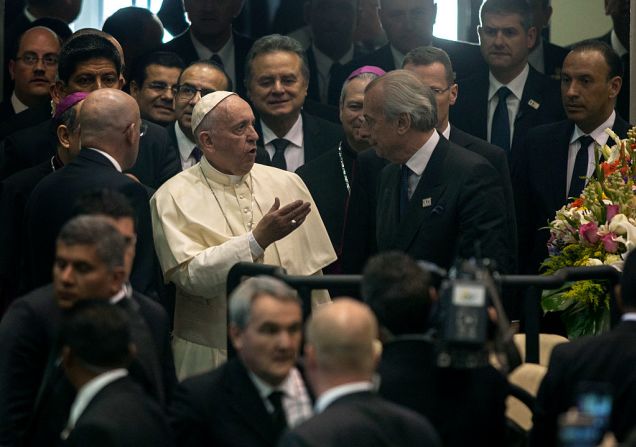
[466, 406]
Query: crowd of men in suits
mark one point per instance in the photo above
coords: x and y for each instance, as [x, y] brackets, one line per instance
[160, 166]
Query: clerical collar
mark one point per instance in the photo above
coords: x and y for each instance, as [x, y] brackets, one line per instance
[217, 176]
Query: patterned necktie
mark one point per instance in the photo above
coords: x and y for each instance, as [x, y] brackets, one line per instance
[500, 130]
[278, 160]
[579, 173]
[279, 419]
[405, 173]
[196, 153]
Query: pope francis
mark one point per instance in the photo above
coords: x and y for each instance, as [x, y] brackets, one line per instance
[223, 210]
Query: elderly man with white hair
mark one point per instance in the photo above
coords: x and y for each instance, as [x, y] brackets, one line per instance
[223, 210]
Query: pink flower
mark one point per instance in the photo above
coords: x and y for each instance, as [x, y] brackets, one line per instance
[612, 210]
[610, 245]
[588, 232]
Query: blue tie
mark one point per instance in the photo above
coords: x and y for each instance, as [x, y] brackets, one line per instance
[500, 130]
[404, 189]
[579, 173]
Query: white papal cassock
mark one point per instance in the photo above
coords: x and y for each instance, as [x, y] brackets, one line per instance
[199, 237]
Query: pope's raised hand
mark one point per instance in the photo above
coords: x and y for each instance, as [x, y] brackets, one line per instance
[279, 222]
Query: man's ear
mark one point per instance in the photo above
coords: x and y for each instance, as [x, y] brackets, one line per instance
[454, 89]
[236, 336]
[134, 89]
[12, 69]
[404, 123]
[63, 136]
[615, 85]
[57, 92]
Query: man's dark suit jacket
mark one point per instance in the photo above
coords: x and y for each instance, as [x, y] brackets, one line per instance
[23, 120]
[334, 87]
[540, 182]
[221, 407]
[156, 161]
[326, 183]
[6, 110]
[52, 204]
[363, 419]
[456, 212]
[608, 358]
[466, 406]
[182, 45]
[465, 57]
[14, 194]
[28, 333]
[121, 414]
[318, 137]
[553, 56]
[470, 113]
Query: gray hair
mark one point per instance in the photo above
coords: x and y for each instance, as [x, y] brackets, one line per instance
[243, 297]
[99, 232]
[405, 93]
[520, 7]
[273, 44]
[362, 76]
[429, 56]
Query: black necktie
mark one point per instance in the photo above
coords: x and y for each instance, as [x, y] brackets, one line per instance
[278, 160]
[279, 419]
[579, 173]
[217, 60]
[196, 153]
[404, 190]
[500, 130]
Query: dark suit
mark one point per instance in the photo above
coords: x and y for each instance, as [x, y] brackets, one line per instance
[458, 203]
[363, 419]
[182, 45]
[334, 87]
[221, 407]
[28, 333]
[25, 119]
[326, 183]
[470, 113]
[318, 137]
[608, 358]
[540, 183]
[6, 110]
[14, 194]
[465, 57]
[52, 203]
[466, 406]
[120, 415]
[156, 161]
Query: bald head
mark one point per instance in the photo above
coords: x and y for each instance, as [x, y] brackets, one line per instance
[110, 121]
[343, 336]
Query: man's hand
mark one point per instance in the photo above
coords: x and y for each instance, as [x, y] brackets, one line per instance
[279, 222]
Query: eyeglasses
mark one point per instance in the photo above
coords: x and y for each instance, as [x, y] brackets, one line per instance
[160, 87]
[30, 58]
[185, 92]
[439, 91]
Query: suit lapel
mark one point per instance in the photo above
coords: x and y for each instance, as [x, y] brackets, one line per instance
[557, 171]
[310, 132]
[388, 204]
[246, 402]
[425, 200]
[530, 104]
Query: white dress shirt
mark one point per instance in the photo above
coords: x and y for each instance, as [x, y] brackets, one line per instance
[328, 397]
[296, 401]
[114, 162]
[598, 135]
[418, 161]
[185, 146]
[226, 53]
[513, 101]
[295, 151]
[323, 64]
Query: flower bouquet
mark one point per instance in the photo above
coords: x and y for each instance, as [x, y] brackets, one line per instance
[597, 228]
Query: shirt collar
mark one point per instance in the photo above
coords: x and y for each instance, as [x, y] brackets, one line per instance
[418, 161]
[87, 392]
[617, 45]
[597, 134]
[516, 85]
[294, 135]
[446, 132]
[184, 144]
[324, 61]
[398, 57]
[331, 395]
[28, 15]
[107, 155]
[18, 106]
[629, 316]
[204, 52]
[124, 292]
[265, 389]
